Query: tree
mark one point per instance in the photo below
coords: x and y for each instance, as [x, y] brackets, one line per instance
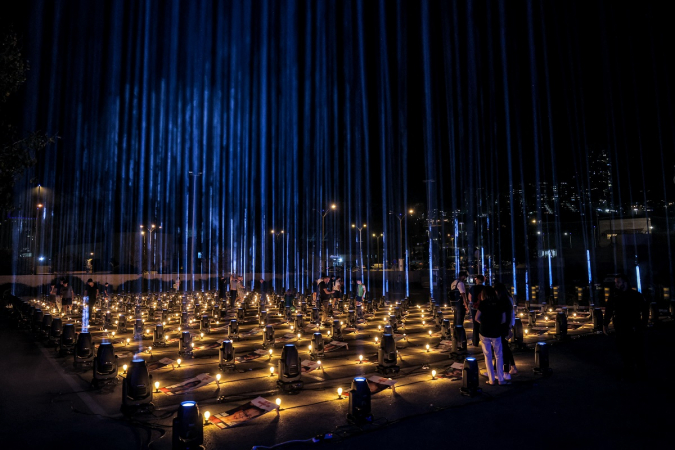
[18, 151]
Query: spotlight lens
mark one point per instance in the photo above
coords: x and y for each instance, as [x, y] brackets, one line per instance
[471, 359]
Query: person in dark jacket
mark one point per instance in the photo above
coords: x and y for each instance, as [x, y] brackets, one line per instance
[627, 308]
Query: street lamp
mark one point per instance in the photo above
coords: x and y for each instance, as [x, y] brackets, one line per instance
[323, 227]
[360, 248]
[400, 218]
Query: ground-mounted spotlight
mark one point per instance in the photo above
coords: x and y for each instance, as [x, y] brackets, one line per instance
[470, 378]
[303, 307]
[387, 356]
[158, 336]
[369, 306]
[47, 320]
[290, 373]
[351, 318]
[36, 325]
[359, 402]
[597, 320]
[438, 319]
[107, 321]
[315, 316]
[398, 313]
[336, 330]
[518, 333]
[205, 325]
[299, 322]
[165, 316]
[185, 344]
[317, 346]
[84, 350]
[67, 341]
[184, 322]
[459, 339]
[137, 388]
[105, 365]
[446, 331]
[138, 329]
[122, 323]
[359, 312]
[391, 321]
[560, 325]
[532, 319]
[268, 336]
[226, 355]
[264, 318]
[55, 331]
[541, 359]
[233, 329]
[188, 427]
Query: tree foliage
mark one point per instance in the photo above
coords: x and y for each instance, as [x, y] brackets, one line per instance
[18, 150]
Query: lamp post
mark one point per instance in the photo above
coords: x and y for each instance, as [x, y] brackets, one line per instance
[194, 176]
[36, 243]
[400, 218]
[323, 227]
[360, 247]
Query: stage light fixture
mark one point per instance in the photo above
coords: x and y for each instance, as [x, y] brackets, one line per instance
[105, 365]
[136, 388]
[541, 359]
[290, 373]
[84, 351]
[387, 356]
[470, 378]
[268, 336]
[188, 427]
[359, 402]
[560, 325]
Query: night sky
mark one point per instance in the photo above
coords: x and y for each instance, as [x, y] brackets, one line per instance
[287, 106]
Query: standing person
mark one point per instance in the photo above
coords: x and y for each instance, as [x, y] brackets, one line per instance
[59, 297]
[105, 292]
[234, 283]
[52, 294]
[222, 288]
[360, 292]
[337, 291]
[241, 287]
[176, 284]
[67, 297]
[491, 316]
[474, 300]
[324, 296]
[461, 300]
[627, 308]
[288, 299]
[506, 303]
[91, 291]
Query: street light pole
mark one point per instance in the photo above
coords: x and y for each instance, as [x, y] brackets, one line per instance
[194, 176]
[360, 248]
[323, 227]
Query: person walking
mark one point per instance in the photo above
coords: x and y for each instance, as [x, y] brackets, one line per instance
[91, 291]
[491, 317]
[67, 297]
[628, 309]
[460, 299]
[324, 295]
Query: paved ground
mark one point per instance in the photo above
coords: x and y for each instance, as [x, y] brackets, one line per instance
[44, 401]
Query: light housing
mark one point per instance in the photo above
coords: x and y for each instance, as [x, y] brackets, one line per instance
[188, 427]
[359, 402]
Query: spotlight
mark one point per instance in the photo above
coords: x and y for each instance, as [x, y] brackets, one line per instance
[387, 356]
[105, 365]
[359, 402]
[541, 359]
[233, 329]
[56, 331]
[268, 336]
[470, 378]
[289, 378]
[316, 349]
[188, 427]
[185, 344]
[337, 330]
[136, 390]
[84, 353]
[560, 325]
[446, 331]
[158, 336]
[67, 341]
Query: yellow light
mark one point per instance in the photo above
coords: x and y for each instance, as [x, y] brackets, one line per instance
[124, 367]
[310, 347]
[433, 374]
[319, 363]
[156, 386]
[360, 359]
[298, 335]
[202, 336]
[207, 414]
[218, 376]
[427, 347]
[271, 370]
[333, 206]
[526, 330]
[339, 390]
[178, 361]
[429, 333]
